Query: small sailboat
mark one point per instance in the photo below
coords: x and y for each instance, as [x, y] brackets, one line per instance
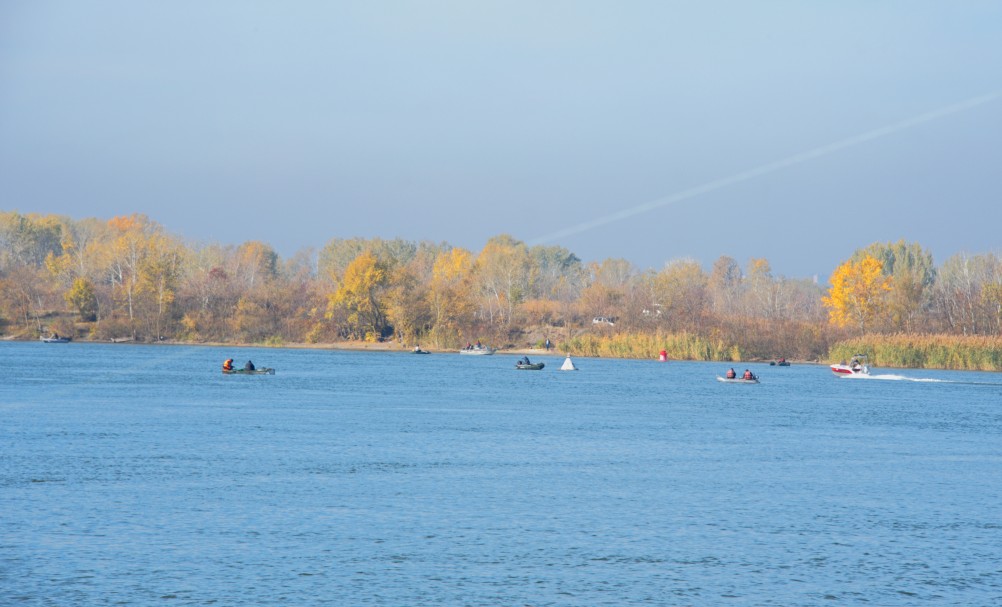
[568, 364]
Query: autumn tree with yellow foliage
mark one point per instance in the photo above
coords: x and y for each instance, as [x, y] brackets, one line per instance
[858, 293]
[450, 294]
[359, 296]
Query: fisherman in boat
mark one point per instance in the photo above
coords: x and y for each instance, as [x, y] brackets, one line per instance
[748, 374]
[249, 366]
[731, 374]
[228, 365]
[525, 360]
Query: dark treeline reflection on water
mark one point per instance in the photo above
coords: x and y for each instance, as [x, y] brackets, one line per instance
[139, 475]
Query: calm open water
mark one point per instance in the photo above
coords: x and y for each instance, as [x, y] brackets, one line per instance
[140, 475]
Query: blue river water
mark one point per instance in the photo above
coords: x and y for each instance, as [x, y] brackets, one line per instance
[140, 475]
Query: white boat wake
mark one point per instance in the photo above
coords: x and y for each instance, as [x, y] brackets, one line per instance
[892, 377]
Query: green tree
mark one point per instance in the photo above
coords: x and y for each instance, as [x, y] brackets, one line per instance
[913, 275]
[81, 297]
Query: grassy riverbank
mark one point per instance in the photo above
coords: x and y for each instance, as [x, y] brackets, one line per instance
[909, 351]
[966, 353]
[679, 346]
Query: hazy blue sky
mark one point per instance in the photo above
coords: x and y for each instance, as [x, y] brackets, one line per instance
[297, 122]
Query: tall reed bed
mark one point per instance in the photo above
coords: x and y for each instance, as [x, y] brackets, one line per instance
[680, 346]
[916, 351]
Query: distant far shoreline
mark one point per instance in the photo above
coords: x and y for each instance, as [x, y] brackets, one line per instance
[387, 346]
[945, 352]
[390, 346]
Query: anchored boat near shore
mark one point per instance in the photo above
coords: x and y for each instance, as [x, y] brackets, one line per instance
[55, 339]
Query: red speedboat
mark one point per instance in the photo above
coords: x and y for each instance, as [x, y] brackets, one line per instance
[857, 365]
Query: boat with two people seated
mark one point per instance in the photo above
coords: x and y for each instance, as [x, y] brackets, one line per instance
[782, 362]
[477, 349]
[56, 339]
[258, 371]
[525, 364]
[418, 350]
[857, 365]
[247, 369]
[733, 378]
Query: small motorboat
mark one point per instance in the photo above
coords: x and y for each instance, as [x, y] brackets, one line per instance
[738, 380]
[420, 351]
[55, 339]
[857, 365]
[529, 366]
[477, 350]
[258, 371]
[779, 363]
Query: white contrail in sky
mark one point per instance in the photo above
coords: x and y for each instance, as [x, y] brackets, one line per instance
[768, 168]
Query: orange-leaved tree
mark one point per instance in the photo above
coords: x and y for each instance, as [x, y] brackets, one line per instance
[857, 294]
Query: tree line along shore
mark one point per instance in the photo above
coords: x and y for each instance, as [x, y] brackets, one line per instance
[127, 278]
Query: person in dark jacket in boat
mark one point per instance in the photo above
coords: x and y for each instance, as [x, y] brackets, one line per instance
[731, 373]
[249, 366]
[748, 374]
[228, 365]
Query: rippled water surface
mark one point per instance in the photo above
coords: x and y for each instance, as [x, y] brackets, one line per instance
[140, 475]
